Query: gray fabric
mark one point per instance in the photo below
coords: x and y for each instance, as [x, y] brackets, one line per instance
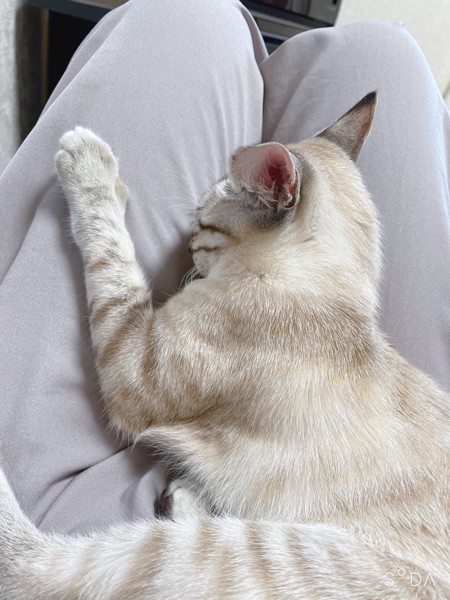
[175, 87]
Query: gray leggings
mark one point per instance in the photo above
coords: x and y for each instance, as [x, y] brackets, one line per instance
[175, 87]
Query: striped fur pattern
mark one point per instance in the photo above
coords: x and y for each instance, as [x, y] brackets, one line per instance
[312, 460]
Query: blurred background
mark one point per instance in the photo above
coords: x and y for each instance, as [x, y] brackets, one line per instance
[38, 38]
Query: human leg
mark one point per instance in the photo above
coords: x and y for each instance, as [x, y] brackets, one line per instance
[315, 77]
[174, 88]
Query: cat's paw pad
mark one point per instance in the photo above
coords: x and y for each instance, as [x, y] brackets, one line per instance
[86, 163]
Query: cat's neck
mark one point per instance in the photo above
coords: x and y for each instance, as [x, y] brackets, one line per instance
[316, 278]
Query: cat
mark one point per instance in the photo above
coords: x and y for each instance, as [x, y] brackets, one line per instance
[311, 460]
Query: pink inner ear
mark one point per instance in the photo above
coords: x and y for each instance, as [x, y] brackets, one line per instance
[278, 175]
[279, 178]
[268, 164]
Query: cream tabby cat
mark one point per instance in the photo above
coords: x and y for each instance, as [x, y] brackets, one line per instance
[269, 387]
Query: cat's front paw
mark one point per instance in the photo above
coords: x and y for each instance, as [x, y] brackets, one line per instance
[88, 170]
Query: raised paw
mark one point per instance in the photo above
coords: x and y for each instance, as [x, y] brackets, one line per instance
[88, 170]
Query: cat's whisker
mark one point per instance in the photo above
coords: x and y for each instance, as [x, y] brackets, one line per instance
[192, 274]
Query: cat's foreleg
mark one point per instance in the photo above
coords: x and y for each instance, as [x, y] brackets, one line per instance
[88, 172]
[119, 298]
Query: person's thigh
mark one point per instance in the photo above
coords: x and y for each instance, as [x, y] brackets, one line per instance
[174, 87]
[316, 77]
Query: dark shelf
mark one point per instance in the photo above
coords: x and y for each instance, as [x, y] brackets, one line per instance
[89, 12]
[285, 15]
[70, 21]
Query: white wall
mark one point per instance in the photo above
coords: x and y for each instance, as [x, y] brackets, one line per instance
[9, 110]
[20, 74]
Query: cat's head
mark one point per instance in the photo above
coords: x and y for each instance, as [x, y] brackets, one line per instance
[284, 210]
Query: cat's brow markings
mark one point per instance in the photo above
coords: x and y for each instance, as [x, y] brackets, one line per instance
[205, 249]
[215, 229]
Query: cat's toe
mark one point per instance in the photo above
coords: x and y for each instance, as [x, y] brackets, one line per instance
[86, 149]
[71, 140]
[79, 138]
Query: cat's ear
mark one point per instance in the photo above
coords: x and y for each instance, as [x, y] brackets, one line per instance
[268, 170]
[350, 131]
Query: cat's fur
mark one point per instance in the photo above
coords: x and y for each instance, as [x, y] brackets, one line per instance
[267, 384]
